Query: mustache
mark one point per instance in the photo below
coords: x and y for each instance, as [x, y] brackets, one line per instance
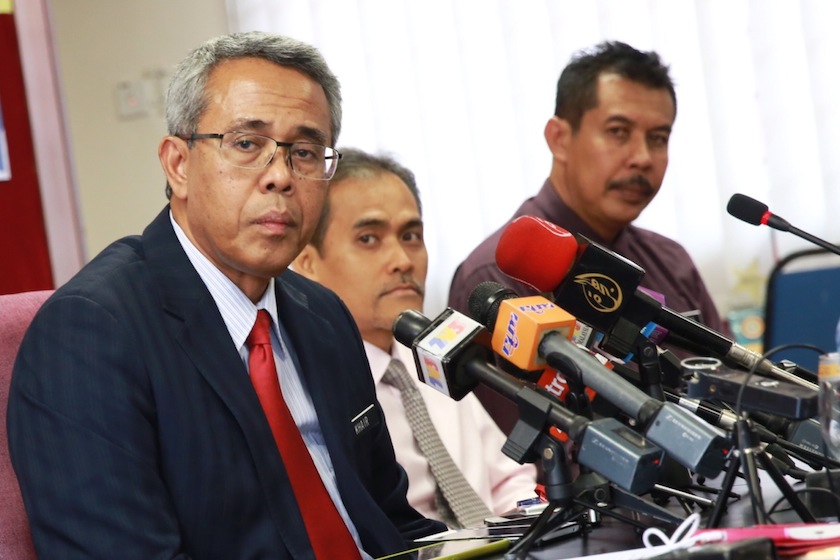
[635, 180]
[406, 280]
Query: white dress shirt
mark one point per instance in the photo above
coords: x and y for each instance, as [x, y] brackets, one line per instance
[468, 433]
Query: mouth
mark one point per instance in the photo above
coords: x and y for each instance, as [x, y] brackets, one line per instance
[634, 188]
[404, 289]
[275, 222]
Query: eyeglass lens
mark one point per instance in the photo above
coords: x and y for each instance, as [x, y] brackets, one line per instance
[309, 160]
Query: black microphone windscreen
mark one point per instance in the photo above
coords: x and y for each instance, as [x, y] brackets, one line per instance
[484, 302]
[747, 209]
[408, 325]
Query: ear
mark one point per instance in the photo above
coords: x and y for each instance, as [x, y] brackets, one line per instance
[306, 262]
[174, 155]
[558, 132]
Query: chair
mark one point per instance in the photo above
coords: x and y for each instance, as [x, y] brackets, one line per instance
[803, 305]
[16, 312]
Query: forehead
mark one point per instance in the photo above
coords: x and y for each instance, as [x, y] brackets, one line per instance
[264, 96]
[617, 93]
[377, 192]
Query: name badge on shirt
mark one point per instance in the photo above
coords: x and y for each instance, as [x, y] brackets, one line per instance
[365, 420]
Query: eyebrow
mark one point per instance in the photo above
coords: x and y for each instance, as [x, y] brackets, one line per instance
[258, 125]
[376, 222]
[367, 222]
[624, 120]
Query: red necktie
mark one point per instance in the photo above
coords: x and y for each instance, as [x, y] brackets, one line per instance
[327, 531]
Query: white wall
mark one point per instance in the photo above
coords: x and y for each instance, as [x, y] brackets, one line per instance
[761, 152]
[101, 43]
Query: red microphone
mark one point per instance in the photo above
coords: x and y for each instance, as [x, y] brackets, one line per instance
[601, 289]
[528, 262]
[589, 281]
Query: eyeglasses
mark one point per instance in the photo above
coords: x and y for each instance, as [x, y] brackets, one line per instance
[255, 151]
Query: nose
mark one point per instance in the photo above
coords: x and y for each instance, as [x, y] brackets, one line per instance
[640, 156]
[278, 174]
[399, 258]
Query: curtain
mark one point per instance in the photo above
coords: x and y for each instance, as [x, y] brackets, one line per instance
[460, 90]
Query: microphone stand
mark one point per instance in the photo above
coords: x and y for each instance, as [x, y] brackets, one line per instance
[593, 484]
[558, 489]
[750, 451]
[745, 431]
[781, 224]
[675, 477]
[747, 445]
[573, 498]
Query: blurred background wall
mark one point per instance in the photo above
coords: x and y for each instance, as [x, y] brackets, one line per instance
[459, 91]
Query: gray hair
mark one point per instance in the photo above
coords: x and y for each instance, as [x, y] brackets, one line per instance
[355, 163]
[186, 98]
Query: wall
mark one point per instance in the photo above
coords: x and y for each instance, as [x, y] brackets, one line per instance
[101, 44]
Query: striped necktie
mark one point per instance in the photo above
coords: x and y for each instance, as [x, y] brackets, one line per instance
[466, 509]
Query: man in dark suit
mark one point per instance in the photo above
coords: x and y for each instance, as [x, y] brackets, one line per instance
[134, 428]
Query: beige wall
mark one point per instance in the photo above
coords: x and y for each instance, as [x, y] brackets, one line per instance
[101, 43]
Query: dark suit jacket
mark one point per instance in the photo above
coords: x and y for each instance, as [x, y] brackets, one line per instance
[135, 431]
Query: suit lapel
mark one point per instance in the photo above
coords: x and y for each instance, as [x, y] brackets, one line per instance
[337, 390]
[314, 343]
[195, 321]
[197, 325]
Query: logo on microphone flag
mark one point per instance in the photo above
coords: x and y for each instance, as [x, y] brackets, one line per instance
[528, 319]
[602, 292]
[440, 345]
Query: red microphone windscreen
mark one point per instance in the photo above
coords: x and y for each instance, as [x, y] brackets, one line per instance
[536, 252]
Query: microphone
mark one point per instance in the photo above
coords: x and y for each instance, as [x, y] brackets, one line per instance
[756, 213]
[802, 438]
[460, 362]
[529, 258]
[711, 413]
[519, 323]
[506, 341]
[600, 289]
[754, 393]
[445, 348]
[805, 435]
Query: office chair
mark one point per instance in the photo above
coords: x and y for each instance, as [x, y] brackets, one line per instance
[802, 305]
[16, 312]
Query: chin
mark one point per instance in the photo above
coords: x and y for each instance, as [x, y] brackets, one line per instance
[398, 305]
[626, 211]
[271, 270]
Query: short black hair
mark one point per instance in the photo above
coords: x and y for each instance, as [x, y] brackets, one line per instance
[577, 87]
[358, 163]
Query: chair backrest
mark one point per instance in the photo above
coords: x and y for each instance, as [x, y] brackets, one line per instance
[16, 312]
[803, 305]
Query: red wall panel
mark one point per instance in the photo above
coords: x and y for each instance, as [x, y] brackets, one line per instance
[24, 254]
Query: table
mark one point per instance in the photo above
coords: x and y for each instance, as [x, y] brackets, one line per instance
[613, 535]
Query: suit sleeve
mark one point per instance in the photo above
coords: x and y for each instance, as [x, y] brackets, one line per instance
[81, 422]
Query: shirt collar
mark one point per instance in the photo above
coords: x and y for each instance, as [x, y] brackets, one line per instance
[379, 359]
[238, 312]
